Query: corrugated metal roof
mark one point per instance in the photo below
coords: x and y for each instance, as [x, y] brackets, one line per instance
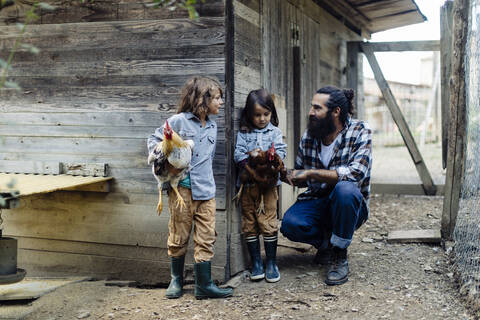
[29, 184]
[381, 15]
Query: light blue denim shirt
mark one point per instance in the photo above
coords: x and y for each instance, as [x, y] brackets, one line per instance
[260, 138]
[189, 127]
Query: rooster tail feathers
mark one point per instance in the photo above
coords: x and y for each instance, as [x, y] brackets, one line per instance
[151, 158]
[157, 153]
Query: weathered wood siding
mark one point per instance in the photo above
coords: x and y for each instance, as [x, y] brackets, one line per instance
[322, 43]
[107, 75]
[266, 33]
[246, 69]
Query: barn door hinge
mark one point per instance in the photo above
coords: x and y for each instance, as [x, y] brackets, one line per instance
[295, 31]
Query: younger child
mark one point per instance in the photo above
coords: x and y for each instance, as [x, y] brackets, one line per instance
[258, 129]
[200, 98]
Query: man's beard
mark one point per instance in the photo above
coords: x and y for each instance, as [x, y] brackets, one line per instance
[321, 128]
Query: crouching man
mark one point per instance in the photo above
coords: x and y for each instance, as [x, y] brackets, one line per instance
[333, 161]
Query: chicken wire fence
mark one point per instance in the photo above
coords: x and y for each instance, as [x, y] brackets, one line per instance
[467, 229]
[419, 103]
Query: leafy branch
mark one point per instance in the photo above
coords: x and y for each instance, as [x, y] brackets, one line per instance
[30, 17]
[188, 5]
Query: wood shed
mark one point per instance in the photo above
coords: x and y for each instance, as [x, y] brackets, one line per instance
[109, 72]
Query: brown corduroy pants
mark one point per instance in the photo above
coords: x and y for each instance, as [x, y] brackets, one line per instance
[254, 223]
[198, 213]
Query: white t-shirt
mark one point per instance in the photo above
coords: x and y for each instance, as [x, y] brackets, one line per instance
[326, 153]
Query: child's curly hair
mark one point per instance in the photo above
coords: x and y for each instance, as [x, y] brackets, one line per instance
[196, 95]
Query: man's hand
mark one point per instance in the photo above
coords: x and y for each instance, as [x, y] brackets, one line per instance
[298, 177]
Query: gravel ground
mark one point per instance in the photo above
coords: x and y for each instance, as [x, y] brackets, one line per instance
[387, 281]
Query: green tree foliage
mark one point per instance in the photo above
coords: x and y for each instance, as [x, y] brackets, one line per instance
[30, 17]
[188, 5]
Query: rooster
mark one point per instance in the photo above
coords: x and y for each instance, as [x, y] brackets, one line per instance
[171, 160]
[263, 169]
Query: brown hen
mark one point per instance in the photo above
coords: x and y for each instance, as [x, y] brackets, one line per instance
[263, 169]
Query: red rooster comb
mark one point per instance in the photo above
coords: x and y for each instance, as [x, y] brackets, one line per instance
[271, 153]
[167, 131]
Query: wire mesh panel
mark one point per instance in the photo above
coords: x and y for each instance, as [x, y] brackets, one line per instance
[467, 229]
[419, 103]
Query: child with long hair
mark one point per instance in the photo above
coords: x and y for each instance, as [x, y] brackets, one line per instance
[258, 130]
[200, 98]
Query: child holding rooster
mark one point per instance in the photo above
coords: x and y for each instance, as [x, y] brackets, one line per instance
[259, 132]
[194, 199]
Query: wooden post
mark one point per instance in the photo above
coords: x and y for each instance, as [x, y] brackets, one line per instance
[297, 95]
[397, 116]
[458, 120]
[446, 29]
[229, 131]
[352, 75]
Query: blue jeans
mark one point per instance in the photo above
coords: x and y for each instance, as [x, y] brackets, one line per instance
[331, 219]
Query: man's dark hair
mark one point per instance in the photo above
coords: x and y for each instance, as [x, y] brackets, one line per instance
[341, 98]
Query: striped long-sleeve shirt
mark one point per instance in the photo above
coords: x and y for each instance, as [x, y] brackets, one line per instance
[352, 158]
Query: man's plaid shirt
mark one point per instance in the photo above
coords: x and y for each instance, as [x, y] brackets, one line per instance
[352, 159]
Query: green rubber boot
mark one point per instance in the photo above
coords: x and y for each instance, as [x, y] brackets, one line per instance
[204, 286]
[175, 287]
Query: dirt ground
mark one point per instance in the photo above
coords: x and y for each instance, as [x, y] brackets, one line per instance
[387, 281]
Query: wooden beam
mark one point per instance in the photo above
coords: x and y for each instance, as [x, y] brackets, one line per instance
[458, 120]
[353, 48]
[284, 242]
[410, 189]
[431, 45]
[29, 184]
[427, 235]
[229, 130]
[397, 116]
[103, 186]
[297, 79]
[395, 20]
[40, 167]
[446, 30]
[85, 169]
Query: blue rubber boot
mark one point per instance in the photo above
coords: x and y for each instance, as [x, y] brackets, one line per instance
[272, 274]
[253, 246]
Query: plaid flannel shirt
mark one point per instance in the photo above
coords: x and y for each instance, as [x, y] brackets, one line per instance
[352, 159]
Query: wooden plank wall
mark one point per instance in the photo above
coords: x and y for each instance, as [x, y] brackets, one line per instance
[246, 70]
[107, 75]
